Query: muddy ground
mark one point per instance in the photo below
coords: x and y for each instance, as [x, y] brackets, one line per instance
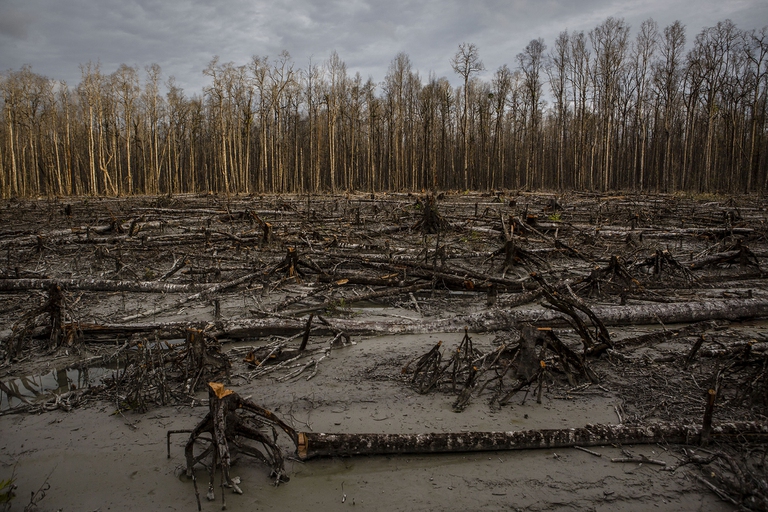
[95, 371]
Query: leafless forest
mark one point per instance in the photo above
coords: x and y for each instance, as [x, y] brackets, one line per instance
[648, 109]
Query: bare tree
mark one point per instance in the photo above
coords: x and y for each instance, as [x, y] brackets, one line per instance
[642, 58]
[557, 69]
[126, 83]
[668, 76]
[466, 63]
[632, 114]
[756, 52]
[609, 41]
[502, 85]
[531, 62]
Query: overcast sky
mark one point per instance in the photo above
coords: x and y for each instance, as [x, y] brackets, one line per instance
[182, 36]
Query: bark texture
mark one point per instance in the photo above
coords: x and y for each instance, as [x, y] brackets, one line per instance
[315, 444]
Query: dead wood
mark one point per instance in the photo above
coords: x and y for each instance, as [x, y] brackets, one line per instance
[266, 227]
[467, 279]
[99, 285]
[316, 291]
[227, 425]
[427, 370]
[667, 334]
[614, 279]
[203, 360]
[706, 428]
[388, 292]
[530, 357]
[44, 321]
[315, 444]
[663, 265]
[359, 278]
[496, 319]
[206, 292]
[277, 353]
[431, 221]
[741, 255]
[500, 319]
[595, 339]
[177, 265]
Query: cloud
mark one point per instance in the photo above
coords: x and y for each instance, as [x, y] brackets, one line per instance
[15, 22]
[184, 35]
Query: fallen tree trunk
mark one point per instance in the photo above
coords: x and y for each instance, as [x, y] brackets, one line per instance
[387, 292]
[207, 291]
[493, 320]
[99, 285]
[315, 444]
[497, 319]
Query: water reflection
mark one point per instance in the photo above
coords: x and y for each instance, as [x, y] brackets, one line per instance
[34, 387]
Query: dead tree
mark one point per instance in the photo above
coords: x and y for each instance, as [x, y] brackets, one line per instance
[514, 254]
[428, 370]
[431, 221]
[614, 279]
[662, 263]
[202, 354]
[46, 320]
[290, 264]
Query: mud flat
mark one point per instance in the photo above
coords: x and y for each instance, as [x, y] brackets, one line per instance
[328, 311]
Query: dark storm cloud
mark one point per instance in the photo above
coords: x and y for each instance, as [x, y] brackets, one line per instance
[55, 37]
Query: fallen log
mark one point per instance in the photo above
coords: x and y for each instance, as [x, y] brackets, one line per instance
[387, 292]
[99, 285]
[316, 444]
[498, 319]
[207, 291]
[492, 320]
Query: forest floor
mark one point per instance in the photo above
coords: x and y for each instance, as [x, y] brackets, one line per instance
[327, 310]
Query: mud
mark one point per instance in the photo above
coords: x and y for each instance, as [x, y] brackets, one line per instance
[98, 460]
[100, 455]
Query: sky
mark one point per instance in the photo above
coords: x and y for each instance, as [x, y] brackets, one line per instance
[55, 37]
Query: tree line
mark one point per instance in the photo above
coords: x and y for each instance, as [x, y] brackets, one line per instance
[599, 110]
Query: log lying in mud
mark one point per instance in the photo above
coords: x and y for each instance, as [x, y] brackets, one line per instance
[499, 319]
[99, 285]
[492, 320]
[315, 444]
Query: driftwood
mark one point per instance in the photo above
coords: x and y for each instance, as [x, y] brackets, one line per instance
[315, 444]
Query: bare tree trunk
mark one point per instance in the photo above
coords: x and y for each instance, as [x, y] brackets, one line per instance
[493, 320]
[316, 444]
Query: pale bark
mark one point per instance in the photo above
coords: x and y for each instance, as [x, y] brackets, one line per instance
[497, 319]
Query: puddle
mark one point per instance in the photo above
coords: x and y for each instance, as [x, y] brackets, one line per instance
[57, 381]
[44, 386]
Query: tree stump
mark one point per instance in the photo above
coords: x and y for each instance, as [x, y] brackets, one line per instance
[226, 426]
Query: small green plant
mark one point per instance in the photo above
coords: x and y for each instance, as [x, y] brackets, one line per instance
[338, 306]
[6, 492]
[555, 217]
